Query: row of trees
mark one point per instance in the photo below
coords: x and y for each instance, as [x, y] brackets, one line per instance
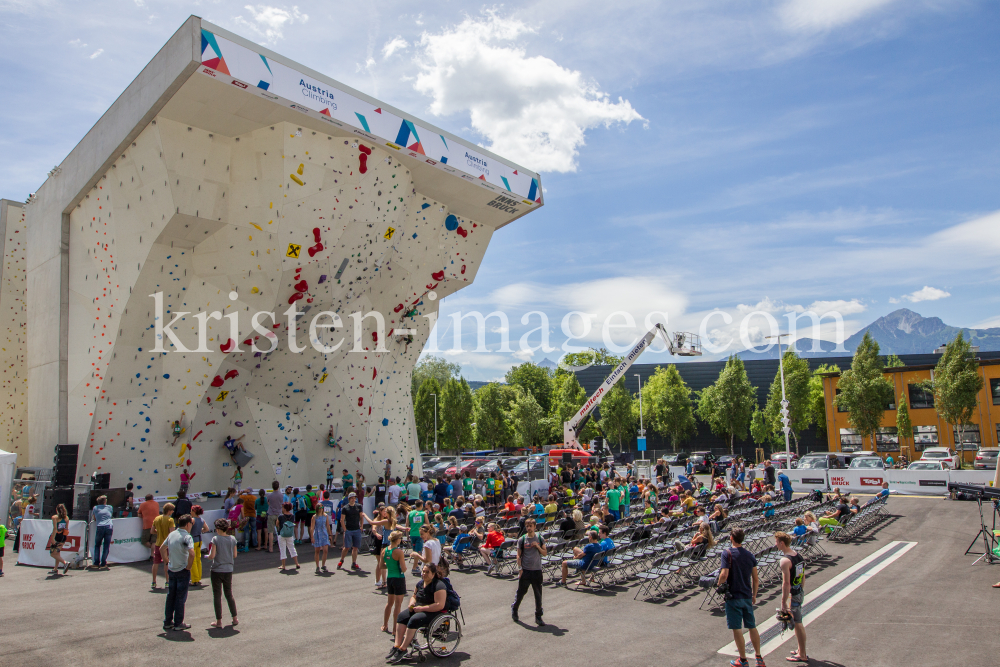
[529, 410]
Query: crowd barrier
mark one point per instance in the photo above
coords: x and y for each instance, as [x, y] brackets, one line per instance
[34, 536]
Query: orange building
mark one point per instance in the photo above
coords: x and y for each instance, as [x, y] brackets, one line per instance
[929, 430]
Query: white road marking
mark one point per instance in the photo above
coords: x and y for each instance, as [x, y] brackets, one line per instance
[813, 614]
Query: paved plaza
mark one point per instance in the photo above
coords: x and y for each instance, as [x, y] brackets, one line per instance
[920, 610]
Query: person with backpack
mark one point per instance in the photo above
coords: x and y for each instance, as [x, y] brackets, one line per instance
[301, 517]
[739, 570]
[286, 536]
[793, 577]
[394, 562]
[530, 549]
[428, 600]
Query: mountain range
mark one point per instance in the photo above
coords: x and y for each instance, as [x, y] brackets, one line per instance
[900, 332]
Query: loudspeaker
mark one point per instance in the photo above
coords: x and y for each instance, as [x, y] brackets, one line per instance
[567, 458]
[64, 465]
[116, 498]
[54, 497]
[102, 481]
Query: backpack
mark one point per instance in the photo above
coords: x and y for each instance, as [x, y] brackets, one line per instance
[300, 504]
[287, 529]
[452, 600]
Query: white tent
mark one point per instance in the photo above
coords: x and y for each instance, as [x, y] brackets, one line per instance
[8, 464]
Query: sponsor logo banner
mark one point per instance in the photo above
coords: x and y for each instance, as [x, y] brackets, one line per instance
[871, 481]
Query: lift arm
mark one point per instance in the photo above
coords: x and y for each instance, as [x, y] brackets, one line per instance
[681, 344]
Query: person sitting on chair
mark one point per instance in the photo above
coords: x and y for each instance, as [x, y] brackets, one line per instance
[584, 560]
[427, 602]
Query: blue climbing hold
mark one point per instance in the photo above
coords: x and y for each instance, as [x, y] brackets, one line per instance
[166, 376]
[451, 223]
[385, 422]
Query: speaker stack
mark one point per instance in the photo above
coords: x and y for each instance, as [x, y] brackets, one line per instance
[63, 478]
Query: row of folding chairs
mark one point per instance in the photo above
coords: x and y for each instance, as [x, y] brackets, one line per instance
[867, 516]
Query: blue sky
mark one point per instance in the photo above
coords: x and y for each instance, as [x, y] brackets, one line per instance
[766, 157]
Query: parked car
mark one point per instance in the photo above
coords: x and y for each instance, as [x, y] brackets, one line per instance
[725, 461]
[778, 459]
[942, 455]
[867, 463]
[986, 458]
[438, 469]
[926, 465]
[471, 466]
[702, 462]
[499, 465]
[823, 461]
[678, 459]
[529, 470]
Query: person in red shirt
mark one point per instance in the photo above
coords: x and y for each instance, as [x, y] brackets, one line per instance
[490, 549]
[510, 507]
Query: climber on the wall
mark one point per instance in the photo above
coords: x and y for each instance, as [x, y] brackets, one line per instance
[177, 427]
[333, 438]
[234, 445]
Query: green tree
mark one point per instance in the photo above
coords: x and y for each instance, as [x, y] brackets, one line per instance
[423, 413]
[956, 384]
[568, 397]
[797, 378]
[536, 380]
[589, 357]
[617, 421]
[904, 427]
[438, 368]
[817, 397]
[760, 430]
[455, 414]
[728, 404]
[491, 403]
[667, 405]
[527, 419]
[864, 391]
[893, 361]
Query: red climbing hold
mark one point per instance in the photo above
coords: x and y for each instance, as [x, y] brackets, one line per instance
[363, 166]
[228, 346]
[361, 401]
[463, 269]
[189, 462]
[295, 297]
[439, 276]
[217, 381]
[374, 373]
[397, 308]
[461, 231]
[364, 149]
[312, 250]
[211, 422]
[301, 286]
[316, 234]
[375, 336]
[248, 342]
[231, 373]
[196, 436]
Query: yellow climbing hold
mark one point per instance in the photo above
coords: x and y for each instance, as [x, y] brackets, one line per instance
[257, 227]
[271, 205]
[323, 379]
[254, 290]
[299, 170]
[296, 179]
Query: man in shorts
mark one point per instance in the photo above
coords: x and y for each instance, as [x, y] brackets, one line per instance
[163, 525]
[584, 558]
[275, 500]
[148, 511]
[739, 570]
[350, 516]
[793, 577]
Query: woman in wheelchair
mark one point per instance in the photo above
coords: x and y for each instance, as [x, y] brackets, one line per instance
[427, 602]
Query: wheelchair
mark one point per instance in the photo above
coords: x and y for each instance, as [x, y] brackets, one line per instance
[441, 638]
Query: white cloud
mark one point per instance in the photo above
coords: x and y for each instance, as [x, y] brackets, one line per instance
[269, 22]
[392, 46]
[529, 108]
[893, 299]
[78, 43]
[926, 294]
[524, 355]
[823, 15]
[96, 53]
[843, 307]
[767, 305]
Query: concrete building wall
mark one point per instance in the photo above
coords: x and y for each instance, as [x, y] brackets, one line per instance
[13, 311]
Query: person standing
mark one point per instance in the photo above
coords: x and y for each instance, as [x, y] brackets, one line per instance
[183, 505]
[793, 577]
[101, 515]
[163, 525]
[380, 490]
[786, 485]
[3, 544]
[148, 511]
[60, 532]
[350, 517]
[275, 500]
[329, 477]
[286, 536]
[413, 490]
[769, 478]
[197, 526]
[394, 562]
[321, 531]
[238, 479]
[260, 508]
[739, 570]
[129, 506]
[222, 552]
[530, 549]
[393, 493]
[347, 481]
[177, 551]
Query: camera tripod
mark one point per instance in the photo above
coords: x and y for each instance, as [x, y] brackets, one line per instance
[989, 535]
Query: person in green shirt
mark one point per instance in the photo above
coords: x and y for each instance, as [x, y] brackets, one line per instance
[415, 519]
[347, 481]
[626, 499]
[3, 543]
[614, 497]
[413, 490]
[260, 508]
[467, 484]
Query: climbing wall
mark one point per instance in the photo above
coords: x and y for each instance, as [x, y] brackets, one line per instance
[13, 425]
[233, 227]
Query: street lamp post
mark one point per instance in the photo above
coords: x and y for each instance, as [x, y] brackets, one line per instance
[784, 402]
[642, 431]
[435, 423]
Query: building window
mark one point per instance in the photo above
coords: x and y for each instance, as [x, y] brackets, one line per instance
[969, 439]
[850, 441]
[924, 436]
[995, 390]
[840, 409]
[887, 439]
[920, 397]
